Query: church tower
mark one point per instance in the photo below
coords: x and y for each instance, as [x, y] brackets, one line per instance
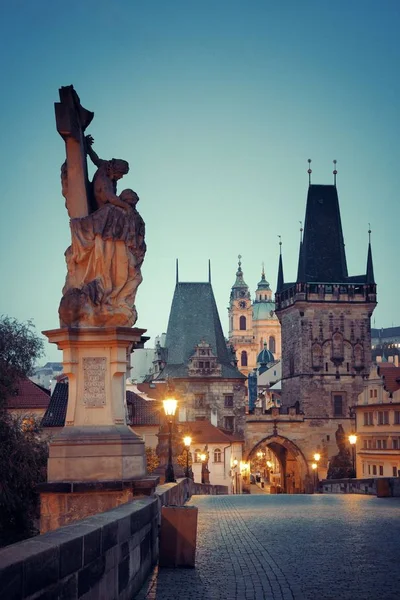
[266, 327]
[325, 318]
[241, 322]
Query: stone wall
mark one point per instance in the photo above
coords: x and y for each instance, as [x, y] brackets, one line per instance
[381, 487]
[108, 555]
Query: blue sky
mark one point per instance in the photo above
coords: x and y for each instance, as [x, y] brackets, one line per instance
[217, 106]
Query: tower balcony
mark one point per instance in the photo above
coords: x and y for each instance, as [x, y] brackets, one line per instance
[326, 292]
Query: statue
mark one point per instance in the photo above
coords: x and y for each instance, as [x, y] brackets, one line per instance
[340, 465]
[108, 234]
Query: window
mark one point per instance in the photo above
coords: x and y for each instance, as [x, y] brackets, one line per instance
[228, 401]
[384, 444]
[370, 445]
[365, 444]
[379, 444]
[374, 470]
[380, 469]
[369, 469]
[272, 344]
[383, 417]
[337, 405]
[394, 471]
[397, 417]
[368, 418]
[395, 444]
[243, 358]
[217, 455]
[207, 364]
[375, 393]
[199, 401]
[242, 323]
[197, 454]
[229, 423]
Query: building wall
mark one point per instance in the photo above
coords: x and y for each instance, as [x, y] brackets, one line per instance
[214, 391]
[221, 472]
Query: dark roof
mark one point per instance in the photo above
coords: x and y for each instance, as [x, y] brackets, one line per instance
[323, 244]
[385, 332]
[280, 281]
[142, 411]
[193, 318]
[370, 267]
[390, 375]
[57, 408]
[28, 395]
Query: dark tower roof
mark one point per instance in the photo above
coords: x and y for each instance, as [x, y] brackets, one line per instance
[239, 283]
[323, 245]
[279, 283]
[194, 318]
[301, 277]
[370, 266]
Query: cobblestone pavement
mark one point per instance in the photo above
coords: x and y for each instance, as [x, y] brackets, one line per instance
[289, 548]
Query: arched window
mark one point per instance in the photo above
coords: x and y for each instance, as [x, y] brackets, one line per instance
[337, 347]
[272, 344]
[197, 454]
[242, 323]
[317, 356]
[217, 455]
[243, 358]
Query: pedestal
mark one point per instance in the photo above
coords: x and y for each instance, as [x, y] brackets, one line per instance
[95, 445]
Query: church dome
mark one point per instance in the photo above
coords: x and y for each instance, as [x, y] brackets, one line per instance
[265, 356]
[263, 310]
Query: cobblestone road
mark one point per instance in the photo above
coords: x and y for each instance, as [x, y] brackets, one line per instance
[289, 548]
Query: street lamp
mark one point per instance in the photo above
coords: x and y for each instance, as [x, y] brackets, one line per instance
[170, 405]
[314, 467]
[317, 458]
[204, 467]
[353, 441]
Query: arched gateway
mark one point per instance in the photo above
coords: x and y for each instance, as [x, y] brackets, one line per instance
[294, 472]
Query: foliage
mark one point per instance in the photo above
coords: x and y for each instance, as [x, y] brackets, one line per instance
[23, 460]
[182, 458]
[20, 347]
[152, 459]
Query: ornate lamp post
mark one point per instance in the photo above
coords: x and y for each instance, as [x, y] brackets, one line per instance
[187, 440]
[317, 458]
[204, 466]
[314, 467]
[170, 405]
[353, 441]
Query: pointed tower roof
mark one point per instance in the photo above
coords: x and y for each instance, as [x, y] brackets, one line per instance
[239, 283]
[301, 276]
[370, 278]
[280, 282]
[194, 318]
[323, 245]
[263, 284]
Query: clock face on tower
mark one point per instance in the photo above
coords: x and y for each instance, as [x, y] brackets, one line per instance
[242, 304]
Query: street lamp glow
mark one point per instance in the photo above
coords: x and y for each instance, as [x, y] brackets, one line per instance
[187, 440]
[314, 466]
[317, 457]
[269, 464]
[170, 405]
[235, 462]
[203, 457]
[352, 439]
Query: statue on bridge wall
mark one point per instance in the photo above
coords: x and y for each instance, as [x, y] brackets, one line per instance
[340, 465]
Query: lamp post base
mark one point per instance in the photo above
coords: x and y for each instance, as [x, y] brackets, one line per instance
[169, 474]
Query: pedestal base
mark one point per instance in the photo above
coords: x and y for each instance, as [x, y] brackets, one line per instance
[102, 453]
[62, 503]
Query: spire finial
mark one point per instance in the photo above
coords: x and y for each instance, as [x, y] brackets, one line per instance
[309, 171]
[177, 273]
[280, 244]
[369, 232]
[262, 270]
[209, 270]
[301, 231]
[334, 172]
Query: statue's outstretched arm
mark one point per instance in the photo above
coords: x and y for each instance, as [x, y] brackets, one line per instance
[91, 153]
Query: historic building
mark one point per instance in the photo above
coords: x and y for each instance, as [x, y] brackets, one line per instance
[378, 423]
[326, 347]
[198, 362]
[252, 324]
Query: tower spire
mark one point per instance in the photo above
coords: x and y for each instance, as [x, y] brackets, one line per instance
[280, 281]
[309, 171]
[370, 278]
[177, 273]
[301, 276]
[209, 270]
[334, 172]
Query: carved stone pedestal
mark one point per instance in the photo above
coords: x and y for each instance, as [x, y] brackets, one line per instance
[96, 447]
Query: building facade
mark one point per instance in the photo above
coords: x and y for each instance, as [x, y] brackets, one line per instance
[252, 324]
[326, 346]
[378, 423]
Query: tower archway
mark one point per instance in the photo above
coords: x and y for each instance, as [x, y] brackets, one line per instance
[294, 476]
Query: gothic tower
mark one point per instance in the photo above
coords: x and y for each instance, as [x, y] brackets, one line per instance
[325, 317]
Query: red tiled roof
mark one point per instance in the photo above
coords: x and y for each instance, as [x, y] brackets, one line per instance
[28, 395]
[390, 375]
[153, 390]
[203, 432]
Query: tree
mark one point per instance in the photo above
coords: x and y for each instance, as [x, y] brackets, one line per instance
[23, 455]
[152, 459]
[20, 347]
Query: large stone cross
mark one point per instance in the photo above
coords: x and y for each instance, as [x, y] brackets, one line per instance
[72, 120]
